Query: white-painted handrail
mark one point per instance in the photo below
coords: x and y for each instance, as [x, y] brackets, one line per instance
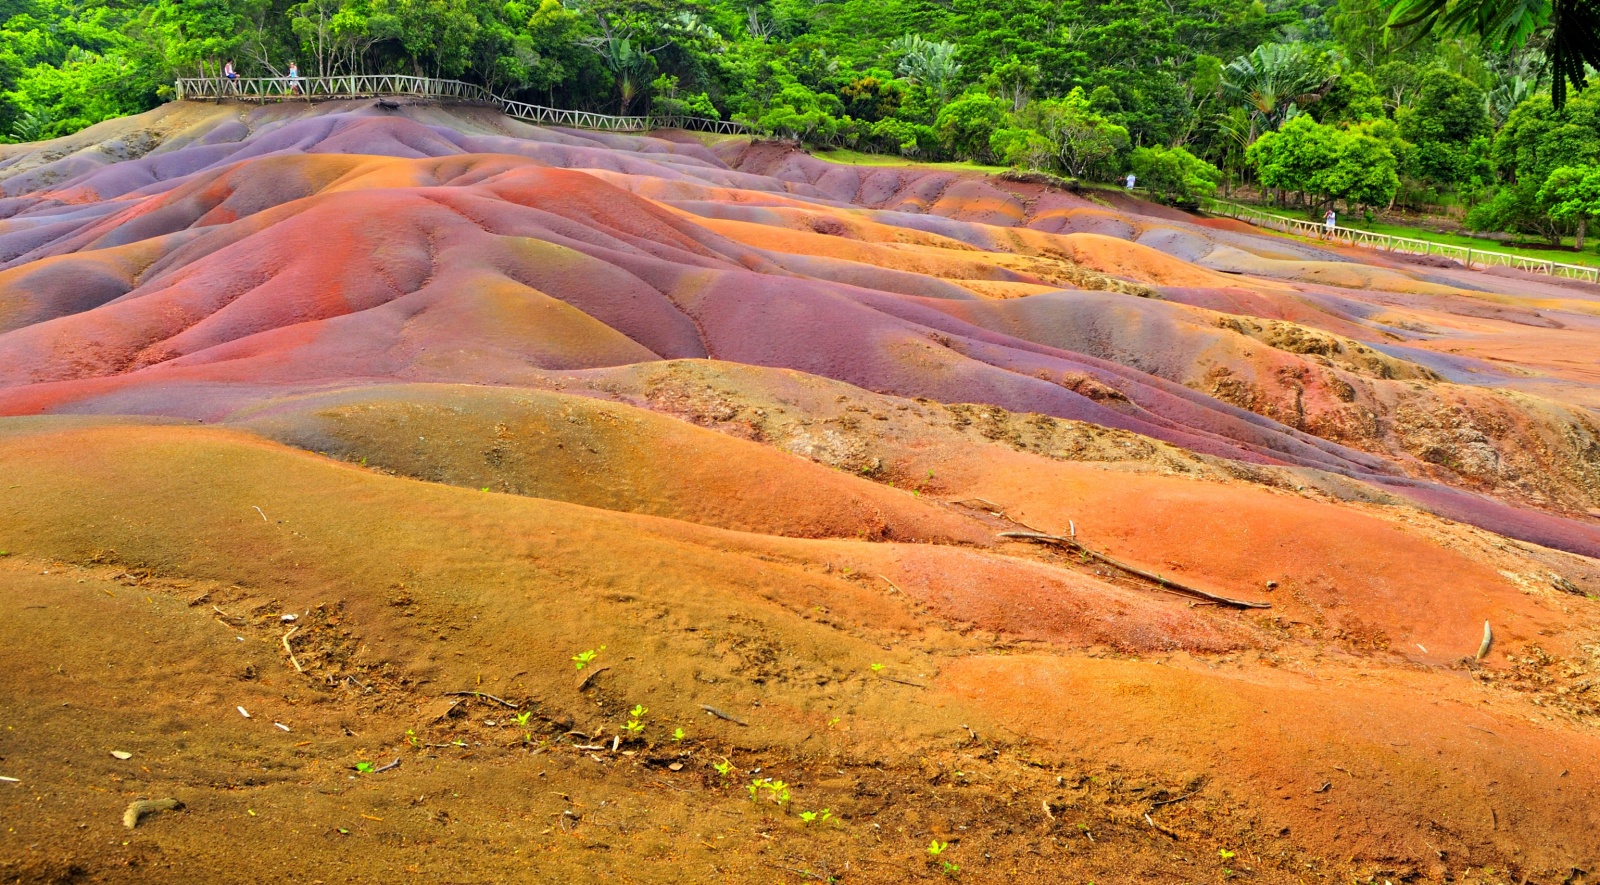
[1389, 243]
[309, 89]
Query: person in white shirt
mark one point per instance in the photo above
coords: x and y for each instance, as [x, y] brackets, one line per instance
[1131, 180]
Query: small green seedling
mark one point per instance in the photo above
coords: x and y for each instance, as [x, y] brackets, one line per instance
[948, 868]
[936, 848]
[412, 739]
[365, 767]
[777, 791]
[877, 668]
[678, 734]
[522, 718]
[635, 716]
[832, 722]
[724, 768]
[1225, 854]
[822, 816]
[585, 658]
[484, 489]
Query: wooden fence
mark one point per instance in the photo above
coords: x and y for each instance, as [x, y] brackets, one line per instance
[309, 89]
[1389, 243]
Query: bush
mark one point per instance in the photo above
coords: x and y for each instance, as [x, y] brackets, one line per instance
[1174, 175]
[964, 126]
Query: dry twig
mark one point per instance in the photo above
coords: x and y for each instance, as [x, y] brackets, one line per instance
[480, 694]
[721, 715]
[292, 660]
[1170, 586]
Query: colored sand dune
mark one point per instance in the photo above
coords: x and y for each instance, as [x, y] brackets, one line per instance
[478, 395]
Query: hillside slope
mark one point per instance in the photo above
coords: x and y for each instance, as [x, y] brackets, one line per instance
[371, 422]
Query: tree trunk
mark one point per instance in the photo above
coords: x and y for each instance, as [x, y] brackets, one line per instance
[1583, 226]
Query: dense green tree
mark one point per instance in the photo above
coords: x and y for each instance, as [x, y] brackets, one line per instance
[966, 125]
[1080, 139]
[1174, 175]
[1573, 195]
[1449, 124]
[1326, 164]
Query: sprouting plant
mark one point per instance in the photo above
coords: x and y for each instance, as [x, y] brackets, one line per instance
[484, 489]
[877, 667]
[635, 720]
[822, 816]
[724, 768]
[412, 739]
[948, 868]
[777, 791]
[365, 767]
[678, 734]
[936, 848]
[832, 722]
[1225, 854]
[585, 658]
[522, 718]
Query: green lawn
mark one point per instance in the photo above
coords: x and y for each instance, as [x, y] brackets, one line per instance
[1587, 257]
[1565, 256]
[858, 158]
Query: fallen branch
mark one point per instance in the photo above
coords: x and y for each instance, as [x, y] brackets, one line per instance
[891, 585]
[285, 641]
[593, 672]
[1170, 586]
[1171, 801]
[142, 807]
[394, 764]
[721, 715]
[902, 681]
[479, 694]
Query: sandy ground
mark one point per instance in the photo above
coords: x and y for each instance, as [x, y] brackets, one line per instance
[423, 495]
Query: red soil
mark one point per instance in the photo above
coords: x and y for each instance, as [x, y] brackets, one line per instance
[753, 424]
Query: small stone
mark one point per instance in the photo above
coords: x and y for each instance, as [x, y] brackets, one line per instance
[121, 754]
[1272, 585]
[676, 766]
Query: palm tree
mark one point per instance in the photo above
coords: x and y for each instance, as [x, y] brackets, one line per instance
[1273, 82]
[627, 60]
[931, 64]
[1571, 30]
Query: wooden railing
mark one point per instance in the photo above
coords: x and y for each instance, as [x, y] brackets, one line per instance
[1408, 245]
[308, 89]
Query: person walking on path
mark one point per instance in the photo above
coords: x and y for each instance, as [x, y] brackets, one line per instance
[1131, 179]
[294, 78]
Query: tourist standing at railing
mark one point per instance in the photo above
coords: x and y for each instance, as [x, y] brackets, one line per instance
[294, 78]
[232, 76]
[1328, 222]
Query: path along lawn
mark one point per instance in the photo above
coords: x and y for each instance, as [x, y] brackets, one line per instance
[1587, 257]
